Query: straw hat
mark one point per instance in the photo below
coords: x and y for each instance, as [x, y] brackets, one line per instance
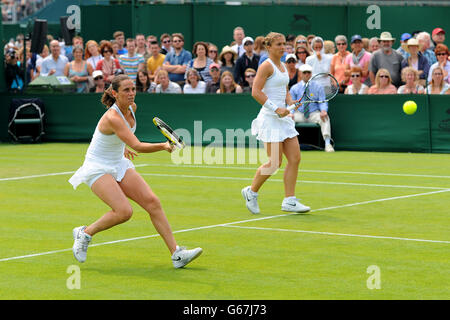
[386, 36]
[411, 42]
[227, 49]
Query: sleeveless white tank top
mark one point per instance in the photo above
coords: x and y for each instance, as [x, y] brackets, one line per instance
[108, 148]
[275, 87]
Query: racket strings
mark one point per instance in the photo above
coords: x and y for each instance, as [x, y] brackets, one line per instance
[322, 87]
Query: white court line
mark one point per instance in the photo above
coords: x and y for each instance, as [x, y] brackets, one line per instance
[338, 234]
[229, 224]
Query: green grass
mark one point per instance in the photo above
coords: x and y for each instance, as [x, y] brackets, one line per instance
[281, 257]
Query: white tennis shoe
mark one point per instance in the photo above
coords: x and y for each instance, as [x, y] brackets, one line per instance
[81, 242]
[182, 256]
[293, 205]
[251, 201]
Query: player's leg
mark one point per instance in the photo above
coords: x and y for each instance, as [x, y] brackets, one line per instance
[275, 156]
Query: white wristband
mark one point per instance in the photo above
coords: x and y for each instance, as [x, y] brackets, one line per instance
[270, 105]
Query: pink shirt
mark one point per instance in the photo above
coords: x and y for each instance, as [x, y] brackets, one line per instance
[364, 60]
[339, 66]
[391, 89]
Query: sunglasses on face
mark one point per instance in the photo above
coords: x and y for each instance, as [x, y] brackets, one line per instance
[356, 75]
[98, 78]
[301, 41]
[306, 72]
[166, 41]
[213, 51]
[341, 44]
[384, 76]
[301, 52]
[438, 74]
[214, 69]
[250, 75]
[441, 54]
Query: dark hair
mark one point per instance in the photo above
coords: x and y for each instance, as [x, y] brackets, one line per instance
[139, 84]
[106, 45]
[108, 99]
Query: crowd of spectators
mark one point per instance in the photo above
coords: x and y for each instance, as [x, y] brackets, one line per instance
[164, 65]
[15, 10]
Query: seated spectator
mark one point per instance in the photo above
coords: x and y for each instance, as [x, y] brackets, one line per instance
[294, 74]
[301, 40]
[289, 49]
[312, 112]
[250, 75]
[213, 52]
[108, 65]
[92, 53]
[337, 65]
[346, 82]
[383, 83]
[319, 61]
[411, 78]
[374, 45]
[76, 41]
[365, 42]
[165, 85]
[214, 84]
[441, 52]
[194, 83]
[201, 62]
[227, 84]
[301, 52]
[437, 85]
[238, 46]
[14, 74]
[78, 70]
[142, 81]
[259, 47]
[404, 40]
[438, 36]
[99, 83]
[425, 43]
[119, 37]
[248, 60]
[55, 63]
[115, 47]
[131, 62]
[329, 48]
[359, 57]
[141, 47]
[227, 58]
[357, 87]
[40, 58]
[156, 60]
[175, 62]
[416, 59]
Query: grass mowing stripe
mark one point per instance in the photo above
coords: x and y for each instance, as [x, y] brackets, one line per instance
[228, 224]
[338, 234]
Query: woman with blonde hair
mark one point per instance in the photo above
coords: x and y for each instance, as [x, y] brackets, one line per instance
[438, 85]
[213, 52]
[275, 127]
[92, 53]
[410, 77]
[383, 83]
[301, 40]
[227, 84]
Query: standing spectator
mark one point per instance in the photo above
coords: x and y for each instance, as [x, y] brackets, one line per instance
[141, 46]
[131, 62]
[301, 53]
[238, 36]
[92, 53]
[156, 60]
[119, 37]
[108, 65]
[383, 83]
[319, 61]
[227, 84]
[386, 58]
[78, 70]
[310, 38]
[337, 66]
[289, 49]
[247, 60]
[213, 52]
[165, 85]
[438, 36]
[357, 87]
[201, 62]
[374, 45]
[411, 78]
[425, 42]
[437, 84]
[99, 82]
[175, 62]
[441, 52]
[14, 74]
[40, 58]
[76, 41]
[416, 59]
[142, 81]
[404, 40]
[365, 42]
[329, 48]
[259, 47]
[302, 41]
[166, 43]
[293, 72]
[115, 47]
[359, 57]
[55, 63]
[227, 59]
[194, 83]
[250, 75]
[214, 84]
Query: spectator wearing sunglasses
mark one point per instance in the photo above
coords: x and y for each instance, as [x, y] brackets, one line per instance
[301, 40]
[108, 65]
[437, 84]
[250, 75]
[166, 43]
[99, 83]
[248, 60]
[383, 83]
[415, 59]
[301, 53]
[442, 53]
[213, 52]
[338, 66]
[357, 87]
[359, 57]
[175, 63]
[293, 72]
[214, 84]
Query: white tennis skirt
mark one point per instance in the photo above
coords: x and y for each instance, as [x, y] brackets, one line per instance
[91, 170]
[271, 128]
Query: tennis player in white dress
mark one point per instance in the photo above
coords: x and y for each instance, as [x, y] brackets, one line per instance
[108, 171]
[275, 127]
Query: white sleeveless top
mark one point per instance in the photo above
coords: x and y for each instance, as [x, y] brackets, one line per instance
[108, 148]
[361, 90]
[275, 87]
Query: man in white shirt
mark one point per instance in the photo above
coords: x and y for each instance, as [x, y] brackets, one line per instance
[238, 36]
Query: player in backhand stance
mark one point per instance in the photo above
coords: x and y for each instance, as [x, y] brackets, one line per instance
[108, 171]
[275, 127]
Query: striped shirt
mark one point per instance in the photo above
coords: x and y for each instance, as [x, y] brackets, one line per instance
[131, 64]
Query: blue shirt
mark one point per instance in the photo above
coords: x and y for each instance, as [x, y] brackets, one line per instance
[297, 91]
[49, 63]
[182, 59]
[265, 56]
[429, 54]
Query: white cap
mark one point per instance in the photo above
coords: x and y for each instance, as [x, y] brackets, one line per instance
[305, 67]
[248, 39]
[97, 73]
[290, 56]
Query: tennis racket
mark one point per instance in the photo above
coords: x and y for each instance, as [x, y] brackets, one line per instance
[167, 131]
[321, 88]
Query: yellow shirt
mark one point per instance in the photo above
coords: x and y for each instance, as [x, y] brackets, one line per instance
[153, 64]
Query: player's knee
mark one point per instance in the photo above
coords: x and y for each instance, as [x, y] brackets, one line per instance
[152, 203]
[125, 213]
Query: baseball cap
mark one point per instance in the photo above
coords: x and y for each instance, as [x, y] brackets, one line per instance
[356, 37]
[247, 39]
[97, 73]
[291, 56]
[305, 67]
[405, 36]
[214, 65]
[437, 30]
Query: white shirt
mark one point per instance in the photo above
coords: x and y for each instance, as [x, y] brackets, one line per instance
[239, 49]
[319, 66]
[200, 88]
[94, 60]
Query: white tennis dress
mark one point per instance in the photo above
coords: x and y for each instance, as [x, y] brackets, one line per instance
[105, 155]
[268, 126]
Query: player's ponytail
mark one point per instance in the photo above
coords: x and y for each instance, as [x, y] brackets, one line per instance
[108, 98]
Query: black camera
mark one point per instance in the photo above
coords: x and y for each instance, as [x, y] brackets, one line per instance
[11, 53]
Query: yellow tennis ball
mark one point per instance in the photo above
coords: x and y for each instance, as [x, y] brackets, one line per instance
[409, 107]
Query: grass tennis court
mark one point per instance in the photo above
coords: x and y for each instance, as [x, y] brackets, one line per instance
[389, 210]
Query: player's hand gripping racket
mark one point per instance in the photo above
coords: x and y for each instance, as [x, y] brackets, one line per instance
[321, 88]
[167, 131]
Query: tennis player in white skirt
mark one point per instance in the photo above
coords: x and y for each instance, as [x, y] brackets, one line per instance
[275, 127]
[108, 171]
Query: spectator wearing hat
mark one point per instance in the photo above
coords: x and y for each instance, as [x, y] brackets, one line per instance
[293, 72]
[359, 58]
[337, 66]
[425, 43]
[403, 40]
[201, 62]
[238, 36]
[438, 36]
[442, 54]
[214, 84]
[415, 59]
[250, 75]
[374, 44]
[227, 60]
[386, 58]
[248, 60]
[99, 82]
[312, 112]
[155, 61]
[175, 63]
[319, 61]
